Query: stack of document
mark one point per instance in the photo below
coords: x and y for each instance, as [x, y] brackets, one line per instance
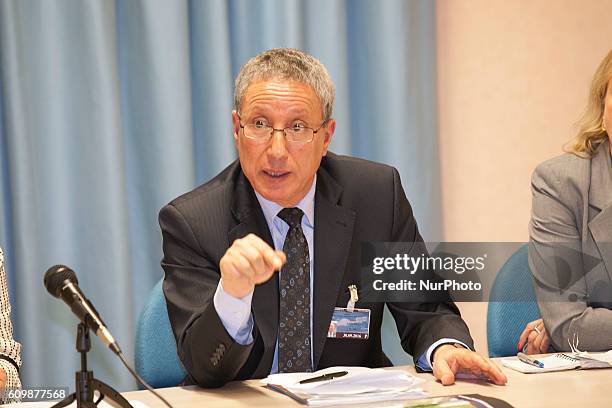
[49, 404]
[353, 385]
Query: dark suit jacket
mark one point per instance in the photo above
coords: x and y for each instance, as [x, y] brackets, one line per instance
[355, 201]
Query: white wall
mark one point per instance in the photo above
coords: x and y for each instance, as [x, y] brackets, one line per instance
[512, 81]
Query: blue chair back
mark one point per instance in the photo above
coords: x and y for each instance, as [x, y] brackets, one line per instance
[513, 307]
[156, 356]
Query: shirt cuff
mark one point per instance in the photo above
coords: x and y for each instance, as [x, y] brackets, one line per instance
[424, 362]
[235, 314]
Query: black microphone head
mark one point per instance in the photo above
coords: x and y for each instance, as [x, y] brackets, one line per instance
[55, 278]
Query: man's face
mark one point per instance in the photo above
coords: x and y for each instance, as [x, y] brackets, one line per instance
[279, 170]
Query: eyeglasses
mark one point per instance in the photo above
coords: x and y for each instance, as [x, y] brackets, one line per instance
[297, 133]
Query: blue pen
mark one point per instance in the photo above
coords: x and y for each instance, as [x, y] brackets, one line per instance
[528, 360]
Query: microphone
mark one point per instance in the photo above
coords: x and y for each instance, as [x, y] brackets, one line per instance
[61, 282]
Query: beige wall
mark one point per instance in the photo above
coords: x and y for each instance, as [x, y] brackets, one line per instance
[512, 80]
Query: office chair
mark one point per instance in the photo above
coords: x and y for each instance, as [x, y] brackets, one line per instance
[513, 306]
[155, 352]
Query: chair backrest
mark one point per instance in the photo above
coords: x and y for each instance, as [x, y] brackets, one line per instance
[155, 352]
[512, 304]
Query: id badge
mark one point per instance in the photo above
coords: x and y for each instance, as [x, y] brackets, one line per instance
[347, 324]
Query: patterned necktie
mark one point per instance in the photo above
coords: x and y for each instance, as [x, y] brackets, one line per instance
[294, 313]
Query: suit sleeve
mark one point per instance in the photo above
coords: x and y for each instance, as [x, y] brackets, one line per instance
[208, 352]
[420, 324]
[557, 265]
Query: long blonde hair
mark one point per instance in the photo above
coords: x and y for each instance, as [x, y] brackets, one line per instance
[590, 131]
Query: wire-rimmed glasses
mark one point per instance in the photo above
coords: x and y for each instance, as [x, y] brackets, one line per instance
[298, 133]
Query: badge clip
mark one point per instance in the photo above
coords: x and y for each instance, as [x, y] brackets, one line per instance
[350, 306]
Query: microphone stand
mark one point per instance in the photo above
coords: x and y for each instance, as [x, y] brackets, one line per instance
[86, 384]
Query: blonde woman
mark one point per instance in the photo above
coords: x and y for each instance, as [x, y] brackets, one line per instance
[10, 350]
[570, 251]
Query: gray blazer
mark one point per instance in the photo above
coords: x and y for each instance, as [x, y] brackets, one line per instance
[570, 252]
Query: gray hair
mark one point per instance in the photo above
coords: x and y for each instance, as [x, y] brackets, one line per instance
[287, 64]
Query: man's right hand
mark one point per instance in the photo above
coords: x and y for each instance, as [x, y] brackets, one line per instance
[248, 262]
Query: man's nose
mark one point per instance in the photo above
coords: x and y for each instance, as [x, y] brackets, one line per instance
[278, 147]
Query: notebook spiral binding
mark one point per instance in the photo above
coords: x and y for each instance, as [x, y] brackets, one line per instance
[565, 356]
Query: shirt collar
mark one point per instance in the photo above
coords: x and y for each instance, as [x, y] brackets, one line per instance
[306, 204]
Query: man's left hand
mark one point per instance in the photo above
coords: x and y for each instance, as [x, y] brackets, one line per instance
[449, 360]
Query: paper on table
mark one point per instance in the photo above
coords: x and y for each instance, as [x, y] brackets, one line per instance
[606, 357]
[562, 362]
[48, 404]
[358, 379]
[359, 385]
[555, 362]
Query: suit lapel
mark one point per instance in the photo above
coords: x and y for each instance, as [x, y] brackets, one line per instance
[601, 229]
[332, 241]
[250, 219]
[600, 197]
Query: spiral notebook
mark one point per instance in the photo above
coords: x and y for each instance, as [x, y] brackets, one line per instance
[556, 362]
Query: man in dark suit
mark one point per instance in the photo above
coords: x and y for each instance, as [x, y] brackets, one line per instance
[258, 259]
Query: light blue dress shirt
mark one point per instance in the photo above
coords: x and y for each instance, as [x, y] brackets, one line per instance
[235, 314]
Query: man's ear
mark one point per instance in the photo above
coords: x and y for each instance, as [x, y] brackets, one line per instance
[236, 125]
[330, 128]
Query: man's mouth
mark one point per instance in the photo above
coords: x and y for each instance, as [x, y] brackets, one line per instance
[277, 174]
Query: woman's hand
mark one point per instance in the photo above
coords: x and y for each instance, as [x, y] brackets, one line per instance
[3, 378]
[534, 339]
